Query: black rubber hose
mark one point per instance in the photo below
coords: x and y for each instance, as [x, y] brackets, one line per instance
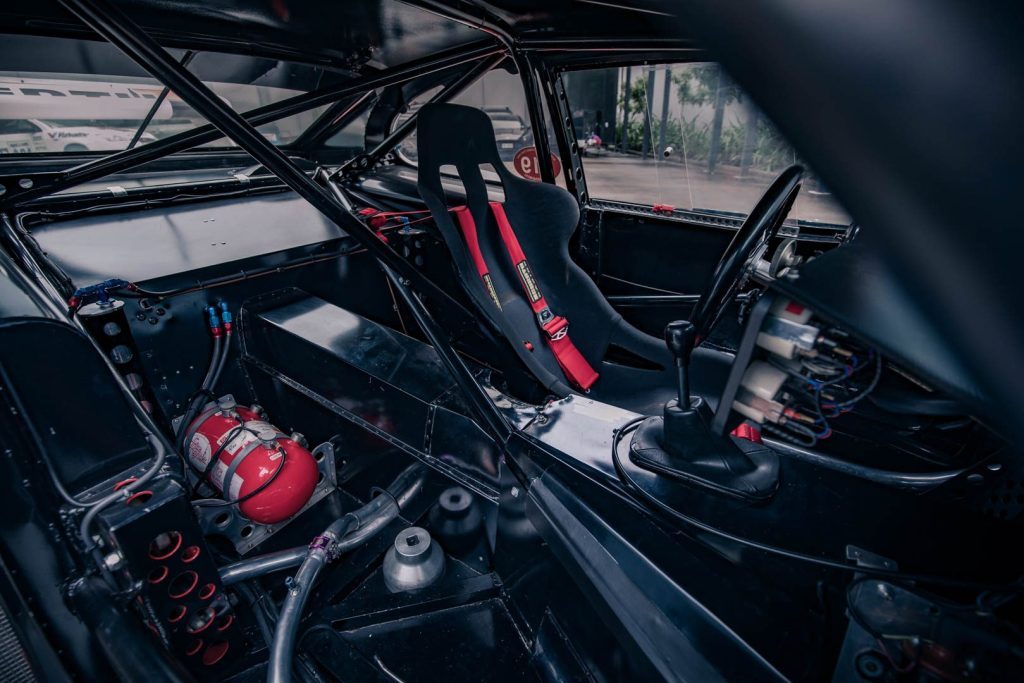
[198, 401]
[282, 651]
[258, 611]
[215, 358]
[343, 534]
[369, 519]
[221, 362]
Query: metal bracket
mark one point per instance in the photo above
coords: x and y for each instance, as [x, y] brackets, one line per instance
[866, 558]
[788, 231]
[244, 534]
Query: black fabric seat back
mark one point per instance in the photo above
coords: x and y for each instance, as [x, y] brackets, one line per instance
[544, 218]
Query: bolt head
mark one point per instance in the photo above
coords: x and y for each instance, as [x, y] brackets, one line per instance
[113, 561]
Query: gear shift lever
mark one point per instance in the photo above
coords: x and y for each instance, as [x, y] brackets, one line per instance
[681, 444]
[681, 337]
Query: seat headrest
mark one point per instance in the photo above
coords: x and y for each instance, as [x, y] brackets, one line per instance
[457, 135]
[452, 134]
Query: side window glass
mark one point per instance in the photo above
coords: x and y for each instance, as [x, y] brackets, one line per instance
[8, 126]
[683, 135]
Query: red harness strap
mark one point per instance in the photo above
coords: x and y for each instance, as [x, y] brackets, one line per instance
[572, 362]
[468, 227]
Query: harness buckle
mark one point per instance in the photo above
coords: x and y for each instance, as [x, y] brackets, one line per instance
[556, 327]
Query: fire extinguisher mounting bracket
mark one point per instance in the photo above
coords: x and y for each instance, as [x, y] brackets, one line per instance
[245, 534]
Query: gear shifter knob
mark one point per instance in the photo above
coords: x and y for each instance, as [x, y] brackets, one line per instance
[681, 337]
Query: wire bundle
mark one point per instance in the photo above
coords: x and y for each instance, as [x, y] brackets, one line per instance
[821, 388]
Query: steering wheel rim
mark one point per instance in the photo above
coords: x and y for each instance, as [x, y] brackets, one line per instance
[761, 225]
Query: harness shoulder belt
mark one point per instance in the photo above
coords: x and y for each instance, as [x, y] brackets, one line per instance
[555, 327]
[468, 228]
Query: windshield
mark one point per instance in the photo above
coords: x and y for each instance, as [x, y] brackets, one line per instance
[62, 95]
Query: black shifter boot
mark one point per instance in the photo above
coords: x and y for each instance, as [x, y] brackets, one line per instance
[685, 433]
[681, 445]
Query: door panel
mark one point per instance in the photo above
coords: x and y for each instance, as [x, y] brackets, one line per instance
[653, 267]
[668, 256]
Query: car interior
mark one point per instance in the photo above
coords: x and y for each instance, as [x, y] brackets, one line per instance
[315, 375]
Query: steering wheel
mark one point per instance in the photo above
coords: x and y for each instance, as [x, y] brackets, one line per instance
[749, 243]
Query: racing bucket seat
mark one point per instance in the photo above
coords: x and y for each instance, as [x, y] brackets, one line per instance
[512, 258]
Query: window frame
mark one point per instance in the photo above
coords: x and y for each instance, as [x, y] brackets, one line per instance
[574, 169]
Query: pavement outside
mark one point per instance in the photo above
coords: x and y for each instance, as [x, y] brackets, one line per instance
[626, 178]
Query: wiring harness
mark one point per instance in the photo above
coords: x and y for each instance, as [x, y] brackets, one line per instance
[822, 387]
[806, 375]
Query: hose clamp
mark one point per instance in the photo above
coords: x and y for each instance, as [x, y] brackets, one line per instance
[322, 542]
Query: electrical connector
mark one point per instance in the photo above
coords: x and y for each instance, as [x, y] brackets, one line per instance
[759, 390]
[786, 331]
[97, 292]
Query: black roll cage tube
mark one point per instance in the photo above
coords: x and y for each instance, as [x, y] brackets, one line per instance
[336, 117]
[531, 56]
[540, 62]
[504, 35]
